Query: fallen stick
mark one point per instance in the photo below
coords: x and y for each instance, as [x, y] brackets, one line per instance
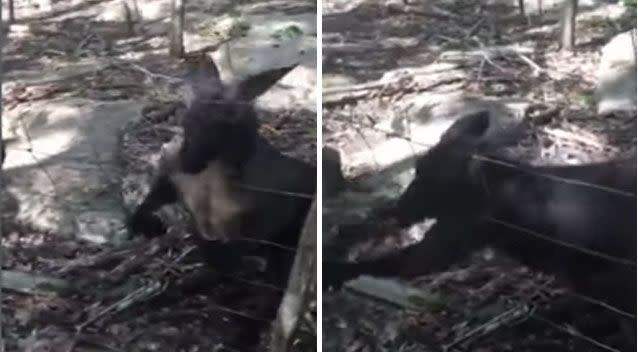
[395, 293]
[491, 53]
[340, 96]
[31, 284]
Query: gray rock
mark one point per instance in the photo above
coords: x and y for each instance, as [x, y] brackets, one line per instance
[616, 90]
[62, 170]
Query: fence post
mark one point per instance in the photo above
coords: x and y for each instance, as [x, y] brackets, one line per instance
[300, 285]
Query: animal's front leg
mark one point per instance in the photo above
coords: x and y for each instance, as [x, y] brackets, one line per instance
[444, 244]
[143, 221]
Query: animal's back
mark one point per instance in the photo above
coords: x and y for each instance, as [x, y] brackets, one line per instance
[596, 215]
[277, 187]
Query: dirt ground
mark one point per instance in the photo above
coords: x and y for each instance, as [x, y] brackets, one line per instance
[491, 304]
[68, 294]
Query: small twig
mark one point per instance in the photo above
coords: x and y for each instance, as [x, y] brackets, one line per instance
[122, 64]
[82, 43]
[580, 137]
[140, 294]
[99, 258]
[480, 70]
[487, 58]
[183, 255]
[507, 317]
[54, 52]
[472, 30]
[449, 39]
[229, 59]
[537, 69]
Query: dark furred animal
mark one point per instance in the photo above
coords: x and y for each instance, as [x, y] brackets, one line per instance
[225, 209]
[226, 203]
[479, 203]
[220, 122]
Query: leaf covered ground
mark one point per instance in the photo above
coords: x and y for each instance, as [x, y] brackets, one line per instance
[490, 303]
[69, 294]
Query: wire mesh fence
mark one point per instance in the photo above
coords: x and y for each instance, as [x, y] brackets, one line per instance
[527, 310]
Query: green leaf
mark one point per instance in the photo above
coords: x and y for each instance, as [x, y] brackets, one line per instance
[290, 32]
[585, 99]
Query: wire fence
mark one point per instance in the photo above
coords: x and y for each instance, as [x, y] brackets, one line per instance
[256, 286]
[525, 311]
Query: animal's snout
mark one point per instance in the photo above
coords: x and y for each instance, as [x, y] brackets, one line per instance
[222, 233]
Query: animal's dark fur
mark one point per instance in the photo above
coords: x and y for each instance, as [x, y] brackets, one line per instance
[465, 194]
[269, 216]
[220, 122]
[214, 171]
[215, 129]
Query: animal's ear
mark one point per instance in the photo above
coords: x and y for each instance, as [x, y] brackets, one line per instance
[469, 127]
[203, 78]
[254, 86]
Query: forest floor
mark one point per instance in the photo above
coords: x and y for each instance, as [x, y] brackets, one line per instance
[87, 103]
[380, 58]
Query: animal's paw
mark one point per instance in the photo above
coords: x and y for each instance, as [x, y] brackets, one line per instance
[148, 225]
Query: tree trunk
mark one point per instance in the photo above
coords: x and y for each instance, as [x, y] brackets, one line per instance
[523, 13]
[568, 25]
[129, 17]
[176, 45]
[521, 7]
[2, 40]
[300, 286]
[12, 14]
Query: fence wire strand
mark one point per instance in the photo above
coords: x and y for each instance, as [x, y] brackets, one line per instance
[570, 181]
[588, 251]
[573, 333]
[276, 191]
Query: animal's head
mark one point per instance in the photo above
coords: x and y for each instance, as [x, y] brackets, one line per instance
[220, 122]
[447, 178]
